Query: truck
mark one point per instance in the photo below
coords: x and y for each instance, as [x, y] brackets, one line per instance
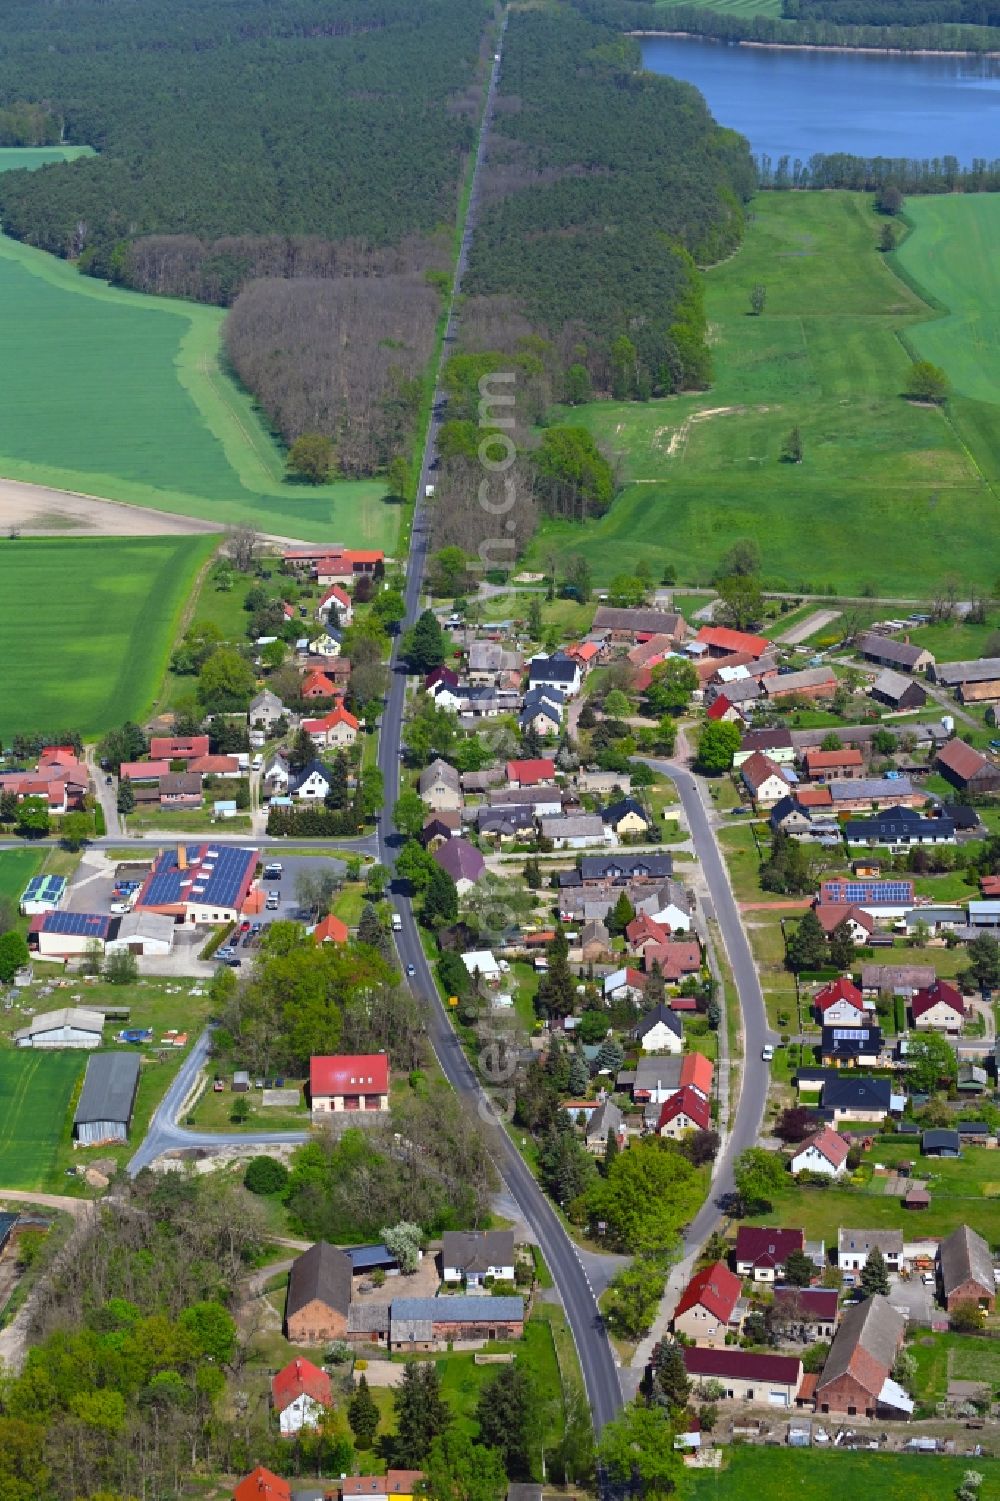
[397, 923]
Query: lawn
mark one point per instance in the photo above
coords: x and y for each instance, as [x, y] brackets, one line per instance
[35, 1093]
[759, 1474]
[16, 869]
[125, 396]
[826, 357]
[953, 1357]
[97, 658]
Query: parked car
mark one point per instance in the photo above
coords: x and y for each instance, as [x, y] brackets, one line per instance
[767, 1052]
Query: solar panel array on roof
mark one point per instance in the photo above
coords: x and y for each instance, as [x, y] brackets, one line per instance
[213, 876]
[44, 888]
[857, 893]
[77, 924]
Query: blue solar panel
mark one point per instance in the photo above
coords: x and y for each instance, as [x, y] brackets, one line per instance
[867, 891]
[78, 924]
[214, 876]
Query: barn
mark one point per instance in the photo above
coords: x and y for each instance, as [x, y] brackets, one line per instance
[69, 1027]
[107, 1099]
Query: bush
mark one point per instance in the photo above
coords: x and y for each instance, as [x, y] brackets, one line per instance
[264, 1175]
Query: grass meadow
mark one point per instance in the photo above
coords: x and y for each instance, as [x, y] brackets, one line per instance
[16, 869]
[126, 397]
[769, 1474]
[87, 626]
[35, 1093]
[890, 496]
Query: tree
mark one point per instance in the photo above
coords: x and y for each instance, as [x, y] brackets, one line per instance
[671, 685]
[887, 238]
[926, 382]
[532, 873]
[13, 955]
[310, 458]
[649, 1193]
[742, 558]
[555, 996]
[404, 1241]
[888, 199]
[33, 820]
[421, 1412]
[121, 967]
[842, 945]
[389, 607]
[579, 1075]
[409, 813]
[572, 478]
[535, 624]
[127, 743]
[799, 1270]
[456, 1469]
[791, 449]
[414, 865]
[75, 830]
[807, 947]
[424, 645]
[620, 915]
[794, 1124]
[126, 797]
[875, 1274]
[440, 905]
[758, 1174]
[758, 299]
[449, 570]
[616, 705]
[398, 478]
[362, 1414]
[741, 601]
[578, 579]
[576, 386]
[983, 954]
[637, 1450]
[932, 1063]
[226, 681]
[265, 1175]
[509, 1416]
[718, 743]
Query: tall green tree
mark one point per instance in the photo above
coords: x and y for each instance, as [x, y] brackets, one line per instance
[125, 800]
[422, 1414]
[310, 458]
[620, 915]
[671, 686]
[758, 1174]
[456, 1469]
[932, 1063]
[807, 946]
[424, 645]
[509, 1417]
[440, 906]
[718, 743]
[637, 1451]
[555, 996]
[363, 1414]
[875, 1274]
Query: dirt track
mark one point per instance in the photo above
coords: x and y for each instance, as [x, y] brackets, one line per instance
[36, 511]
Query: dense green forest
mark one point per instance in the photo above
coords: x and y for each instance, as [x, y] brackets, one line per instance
[817, 28]
[838, 169]
[343, 119]
[894, 12]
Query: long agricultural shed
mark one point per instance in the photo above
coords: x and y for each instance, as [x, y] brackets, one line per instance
[107, 1098]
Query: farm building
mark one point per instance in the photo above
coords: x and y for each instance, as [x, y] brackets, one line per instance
[772, 1380]
[434, 1323]
[856, 1378]
[319, 1295]
[470, 1255]
[972, 682]
[70, 1027]
[107, 1099]
[966, 768]
[42, 894]
[344, 1082]
[149, 933]
[966, 1267]
[897, 691]
[67, 935]
[199, 884]
[899, 654]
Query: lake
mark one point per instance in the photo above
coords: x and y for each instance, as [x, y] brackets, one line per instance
[797, 103]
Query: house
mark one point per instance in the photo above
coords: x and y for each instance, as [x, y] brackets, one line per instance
[972, 1079]
[639, 624]
[316, 684]
[643, 932]
[607, 1120]
[865, 793]
[437, 1323]
[649, 654]
[139, 772]
[319, 1295]
[440, 787]
[899, 828]
[777, 745]
[656, 1079]
[347, 1082]
[830, 915]
[180, 789]
[972, 682]
[336, 601]
[899, 693]
[723, 709]
[659, 1031]
[440, 826]
[939, 1007]
[505, 823]
[940, 1143]
[855, 1246]
[595, 941]
[336, 729]
[199, 884]
[577, 831]
[761, 1251]
[830, 765]
[490, 662]
[470, 1256]
[624, 984]
[540, 772]
[967, 769]
[623, 869]
[860, 891]
[965, 1268]
[709, 1307]
[311, 784]
[178, 747]
[806, 1313]
[604, 782]
[542, 802]
[226, 767]
[462, 861]
[627, 817]
[394, 1485]
[825, 1152]
[330, 929]
[858, 1097]
[722, 642]
[895, 979]
[736, 691]
[262, 1485]
[841, 1004]
[685, 1111]
[68, 935]
[557, 674]
[764, 780]
[856, 1379]
[889, 653]
[811, 682]
[482, 963]
[675, 958]
[277, 775]
[42, 894]
[851, 1046]
[107, 1100]
[769, 1380]
[300, 1394]
[792, 816]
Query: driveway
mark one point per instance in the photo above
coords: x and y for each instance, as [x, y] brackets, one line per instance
[913, 1299]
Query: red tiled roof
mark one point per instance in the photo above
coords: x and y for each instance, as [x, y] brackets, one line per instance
[821, 760]
[828, 1143]
[964, 760]
[209, 765]
[138, 771]
[720, 707]
[642, 928]
[349, 1074]
[763, 1245]
[698, 1071]
[989, 885]
[336, 716]
[724, 639]
[716, 1288]
[392, 1483]
[262, 1485]
[300, 1377]
[940, 992]
[676, 957]
[178, 747]
[318, 682]
[831, 914]
[838, 990]
[331, 930]
[757, 768]
[530, 773]
[687, 1101]
[814, 797]
[743, 1364]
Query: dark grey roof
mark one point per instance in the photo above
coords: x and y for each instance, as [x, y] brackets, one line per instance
[660, 1013]
[605, 1119]
[368, 1318]
[324, 1273]
[858, 1092]
[939, 1140]
[766, 740]
[109, 1088]
[616, 811]
[896, 824]
[363, 1257]
[981, 671]
[889, 1242]
[477, 1250]
[885, 649]
[300, 779]
[851, 1042]
[458, 1310]
[877, 1328]
[622, 866]
[965, 1257]
[555, 669]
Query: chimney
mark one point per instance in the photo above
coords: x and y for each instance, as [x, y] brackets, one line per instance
[182, 857]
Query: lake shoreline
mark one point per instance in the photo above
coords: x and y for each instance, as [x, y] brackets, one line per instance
[701, 36]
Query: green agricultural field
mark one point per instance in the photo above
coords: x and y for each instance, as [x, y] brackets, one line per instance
[87, 625]
[758, 1474]
[888, 496]
[32, 157]
[35, 1093]
[16, 869]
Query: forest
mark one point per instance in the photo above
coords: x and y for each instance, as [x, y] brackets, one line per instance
[894, 12]
[866, 174]
[816, 28]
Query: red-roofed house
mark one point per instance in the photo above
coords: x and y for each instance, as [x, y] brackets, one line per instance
[584, 652]
[316, 684]
[336, 598]
[722, 642]
[676, 958]
[764, 780]
[697, 1072]
[832, 914]
[299, 1392]
[824, 1152]
[344, 565]
[687, 1110]
[989, 886]
[769, 1380]
[841, 1004]
[652, 652]
[709, 1306]
[330, 929]
[262, 1485]
[841, 765]
[642, 932]
[341, 1081]
[338, 728]
[722, 709]
[538, 773]
[178, 747]
[819, 796]
[215, 766]
[939, 1008]
[761, 1251]
[144, 771]
[394, 1485]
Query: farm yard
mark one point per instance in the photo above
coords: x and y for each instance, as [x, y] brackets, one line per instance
[35, 1093]
[87, 627]
[825, 355]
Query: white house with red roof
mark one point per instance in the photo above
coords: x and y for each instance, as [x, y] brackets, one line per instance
[317, 684]
[687, 1110]
[336, 598]
[709, 1307]
[729, 713]
[334, 731]
[300, 1392]
[824, 1152]
[938, 1008]
[860, 924]
[762, 1250]
[330, 929]
[178, 747]
[764, 780]
[841, 1004]
[348, 1082]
